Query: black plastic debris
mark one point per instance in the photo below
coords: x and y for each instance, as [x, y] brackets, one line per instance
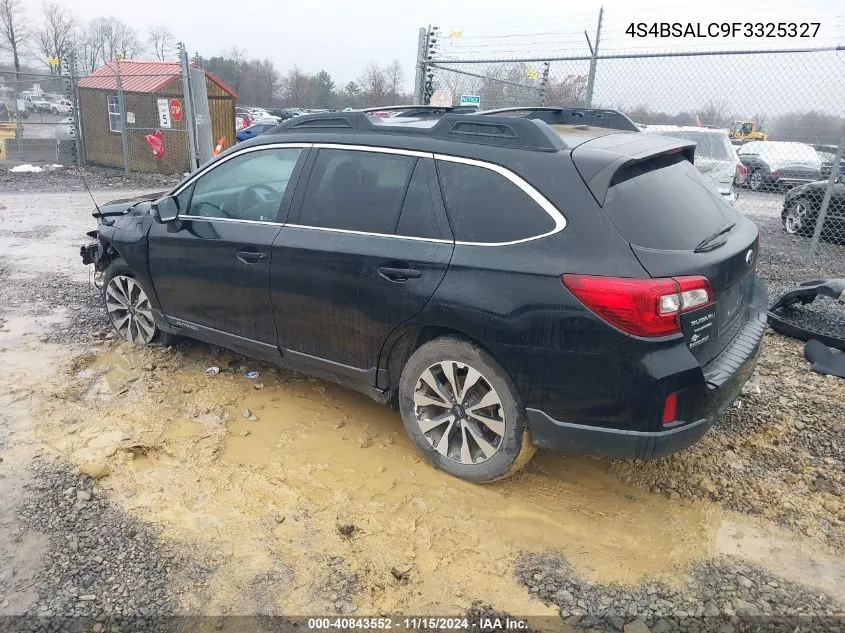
[792, 314]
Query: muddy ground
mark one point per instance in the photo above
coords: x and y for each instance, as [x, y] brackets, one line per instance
[134, 484]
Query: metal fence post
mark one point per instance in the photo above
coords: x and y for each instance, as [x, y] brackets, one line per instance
[121, 106]
[594, 58]
[190, 121]
[69, 70]
[419, 77]
[828, 192]
[544, 83]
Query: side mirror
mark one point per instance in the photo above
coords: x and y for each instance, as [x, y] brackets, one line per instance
[165, 210]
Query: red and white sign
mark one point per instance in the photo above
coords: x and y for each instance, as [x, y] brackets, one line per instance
[176, 111]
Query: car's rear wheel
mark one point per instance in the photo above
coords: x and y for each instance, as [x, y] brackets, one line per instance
[756, 180]
[462, 411]
[128, 307]
[798, 218]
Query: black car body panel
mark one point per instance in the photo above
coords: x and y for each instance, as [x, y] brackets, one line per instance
[351, 305]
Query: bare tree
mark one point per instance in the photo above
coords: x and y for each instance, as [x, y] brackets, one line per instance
[13, 31]
[90, 47]
[374, 82]
[395, 75]
[57, 35]
[161, 41]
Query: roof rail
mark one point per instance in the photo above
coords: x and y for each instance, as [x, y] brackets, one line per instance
[612, 119]
[517, 132]
[424, 111]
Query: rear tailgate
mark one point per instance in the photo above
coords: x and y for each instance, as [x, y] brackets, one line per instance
[665, 208]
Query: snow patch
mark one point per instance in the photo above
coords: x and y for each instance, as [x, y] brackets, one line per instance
[31, 169]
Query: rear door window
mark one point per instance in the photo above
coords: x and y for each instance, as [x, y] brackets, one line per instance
[665, 204]
[356, 190]
[486, 207]
[419, 217]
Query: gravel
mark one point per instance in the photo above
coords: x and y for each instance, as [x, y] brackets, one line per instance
[724, 594]
[68, 179]
[102, 563]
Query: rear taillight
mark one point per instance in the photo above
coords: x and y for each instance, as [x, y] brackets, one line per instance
[643, 307]
[741, 173]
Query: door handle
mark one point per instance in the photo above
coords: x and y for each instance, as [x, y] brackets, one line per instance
[398, 274]
[251, 257]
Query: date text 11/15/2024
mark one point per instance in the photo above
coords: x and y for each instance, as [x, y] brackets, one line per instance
[419, 623]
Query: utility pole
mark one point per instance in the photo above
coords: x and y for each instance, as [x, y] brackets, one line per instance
[594, 58]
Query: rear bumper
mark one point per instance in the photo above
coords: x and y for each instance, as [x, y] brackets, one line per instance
[724, 377]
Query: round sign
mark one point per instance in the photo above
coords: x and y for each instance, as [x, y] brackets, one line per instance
[441, 98]
[176, 111]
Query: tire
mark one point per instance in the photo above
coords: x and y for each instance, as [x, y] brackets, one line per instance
[121, 289]
[757, 181]
[463, 445]
[799, 218]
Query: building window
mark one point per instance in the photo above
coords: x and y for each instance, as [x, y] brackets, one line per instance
[115, 120]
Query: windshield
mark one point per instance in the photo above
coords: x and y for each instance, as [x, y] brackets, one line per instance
[664, 203]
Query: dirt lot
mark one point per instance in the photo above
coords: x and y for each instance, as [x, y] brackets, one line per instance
[132, 483]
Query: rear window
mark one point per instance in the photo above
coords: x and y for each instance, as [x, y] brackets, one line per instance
[664, 203]
[710, 145]
[790, 151]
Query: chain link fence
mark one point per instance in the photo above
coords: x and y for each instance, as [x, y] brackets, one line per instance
[36, 117]
[769, 126]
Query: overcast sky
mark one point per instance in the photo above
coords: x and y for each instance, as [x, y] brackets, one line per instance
[343, 36]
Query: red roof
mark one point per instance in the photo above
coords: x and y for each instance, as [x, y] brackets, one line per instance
[141, 76]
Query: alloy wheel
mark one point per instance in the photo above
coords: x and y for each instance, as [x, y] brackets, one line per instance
[756, 181]
[130, 310]
[794, 221]
[459, 412]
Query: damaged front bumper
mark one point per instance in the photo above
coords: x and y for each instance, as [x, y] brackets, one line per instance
[92, 253]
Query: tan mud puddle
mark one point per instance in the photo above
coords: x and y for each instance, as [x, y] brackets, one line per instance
[270, 494]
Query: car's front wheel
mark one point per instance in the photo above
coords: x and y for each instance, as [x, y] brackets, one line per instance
[128, 307]
[462, 411]
[798, 219]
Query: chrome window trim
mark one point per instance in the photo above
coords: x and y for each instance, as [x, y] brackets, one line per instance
[536, 196]
[351, 232]
[199, 218]
[215, 164]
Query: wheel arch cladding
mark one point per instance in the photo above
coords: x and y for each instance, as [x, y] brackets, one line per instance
[400, 345]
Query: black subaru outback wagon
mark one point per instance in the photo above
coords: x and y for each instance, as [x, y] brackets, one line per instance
[542, 277]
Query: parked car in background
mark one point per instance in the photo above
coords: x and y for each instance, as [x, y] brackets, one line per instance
[502, 281]
[243, 118]
[40, 104]
[61, 107]
[827, 164]
[715, 157]
[803, 203]
[283, 114]
[774, 165]
[254, 130]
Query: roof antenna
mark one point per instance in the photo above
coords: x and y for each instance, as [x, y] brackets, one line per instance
[85, 184]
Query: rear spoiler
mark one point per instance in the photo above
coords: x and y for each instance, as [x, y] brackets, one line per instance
[600, 159]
